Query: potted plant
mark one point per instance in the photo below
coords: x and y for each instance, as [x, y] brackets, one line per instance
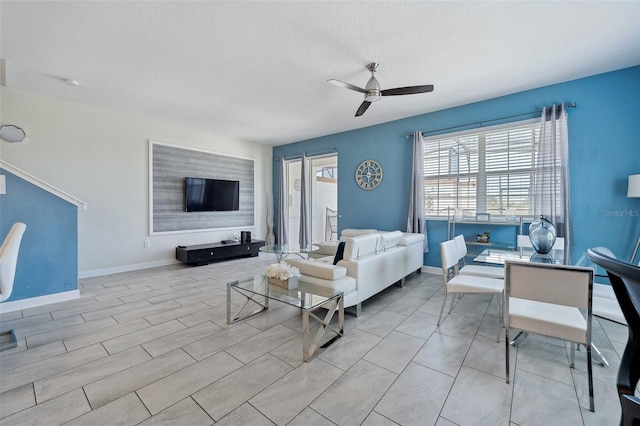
[284, 275]
[484, 237]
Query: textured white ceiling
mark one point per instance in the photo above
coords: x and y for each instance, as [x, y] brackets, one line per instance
[258, 70]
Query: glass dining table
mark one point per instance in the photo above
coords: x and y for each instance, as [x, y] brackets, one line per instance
[526, 254]
[498, 256]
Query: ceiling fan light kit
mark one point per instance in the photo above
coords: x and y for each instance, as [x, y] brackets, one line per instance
[372, 89]
[373, 93]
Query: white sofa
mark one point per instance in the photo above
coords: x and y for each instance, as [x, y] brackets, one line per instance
[372, 261]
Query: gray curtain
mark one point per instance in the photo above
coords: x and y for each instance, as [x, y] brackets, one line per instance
[416, 220]
[282, 205]
[304, 211]
[551, 196]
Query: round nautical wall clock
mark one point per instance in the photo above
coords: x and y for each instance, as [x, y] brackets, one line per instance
[368, 174]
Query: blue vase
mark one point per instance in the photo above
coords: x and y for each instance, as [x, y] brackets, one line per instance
[542, 235]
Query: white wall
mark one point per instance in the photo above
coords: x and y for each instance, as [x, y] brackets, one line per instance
[102, 157]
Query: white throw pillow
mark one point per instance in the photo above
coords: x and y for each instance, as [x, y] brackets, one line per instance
[318, 269]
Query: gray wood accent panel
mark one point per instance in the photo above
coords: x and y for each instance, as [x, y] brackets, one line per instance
[170, 165]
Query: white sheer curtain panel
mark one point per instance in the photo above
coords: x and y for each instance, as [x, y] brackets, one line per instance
[551, 196]
[282, 205]
[304, 211]
[416, 220]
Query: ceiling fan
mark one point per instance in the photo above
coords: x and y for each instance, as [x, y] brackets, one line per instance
[372, 92]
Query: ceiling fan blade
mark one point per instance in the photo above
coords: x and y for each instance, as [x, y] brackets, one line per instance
[411, 90]
[363, 107]
[346, 85]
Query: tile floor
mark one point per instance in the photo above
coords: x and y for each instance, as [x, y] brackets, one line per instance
[152, 347]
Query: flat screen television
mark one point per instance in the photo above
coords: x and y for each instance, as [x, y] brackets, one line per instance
[211, 195]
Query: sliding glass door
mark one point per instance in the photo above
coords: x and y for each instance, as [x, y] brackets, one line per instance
[322, 197]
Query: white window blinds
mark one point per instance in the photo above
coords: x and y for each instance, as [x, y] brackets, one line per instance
[488, 170]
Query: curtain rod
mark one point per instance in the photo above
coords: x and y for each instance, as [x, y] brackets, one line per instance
[407, 136]
[313, 154]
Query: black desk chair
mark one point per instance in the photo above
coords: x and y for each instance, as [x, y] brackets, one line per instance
[625, 280]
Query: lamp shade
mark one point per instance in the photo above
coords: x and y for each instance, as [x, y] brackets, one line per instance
[634, 186]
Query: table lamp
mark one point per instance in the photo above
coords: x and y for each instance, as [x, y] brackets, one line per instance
[633, 191]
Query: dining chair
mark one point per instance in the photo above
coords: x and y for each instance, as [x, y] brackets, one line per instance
[331, 224]
[8, 262]
[456, 284]
[475, 270]
[547, 299]
[625, 280]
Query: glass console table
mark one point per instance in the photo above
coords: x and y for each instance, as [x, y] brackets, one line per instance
[307, 297]
[285, 250]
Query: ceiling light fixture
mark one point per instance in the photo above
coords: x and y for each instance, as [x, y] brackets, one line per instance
[11, 133]
[633, 188]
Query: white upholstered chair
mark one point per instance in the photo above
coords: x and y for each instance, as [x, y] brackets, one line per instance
[8, 262]
[548, 300]
[455, 284]
[476, 270]
[9, 259]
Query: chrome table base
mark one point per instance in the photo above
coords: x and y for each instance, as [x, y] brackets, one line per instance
[309, 346]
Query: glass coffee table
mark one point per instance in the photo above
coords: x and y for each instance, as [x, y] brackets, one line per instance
[307, 297]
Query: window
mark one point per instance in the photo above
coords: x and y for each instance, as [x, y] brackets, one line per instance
[487, 170]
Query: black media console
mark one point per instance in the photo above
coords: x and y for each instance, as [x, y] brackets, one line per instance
[203, 254]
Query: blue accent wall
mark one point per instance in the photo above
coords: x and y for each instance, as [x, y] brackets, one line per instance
[604, 148]
[48, 258]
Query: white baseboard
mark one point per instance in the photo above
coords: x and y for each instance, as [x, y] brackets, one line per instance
[125, 268]
[32, 302]
[432, 270]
